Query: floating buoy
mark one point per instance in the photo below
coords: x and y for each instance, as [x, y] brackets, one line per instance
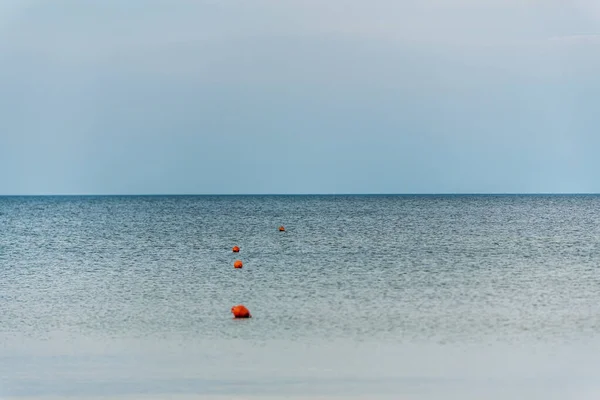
[281, 229]
[238, 264]
[236, 249]
[240, 311]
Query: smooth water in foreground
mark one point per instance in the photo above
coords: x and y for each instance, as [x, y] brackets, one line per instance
[399, 297]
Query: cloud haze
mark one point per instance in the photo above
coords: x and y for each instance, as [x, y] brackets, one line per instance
[301, 96]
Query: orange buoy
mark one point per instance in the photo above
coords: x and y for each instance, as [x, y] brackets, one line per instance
[236, 249]
[240, 311]
[238, 264]
[281, 229]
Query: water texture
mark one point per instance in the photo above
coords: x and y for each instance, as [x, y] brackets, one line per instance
[413, 297]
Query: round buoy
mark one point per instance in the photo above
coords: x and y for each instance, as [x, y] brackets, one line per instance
[281, 229]
[238, 264]
[236, 249]
[240, 311]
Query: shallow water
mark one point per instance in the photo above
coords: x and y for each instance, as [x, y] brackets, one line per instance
[414, 297]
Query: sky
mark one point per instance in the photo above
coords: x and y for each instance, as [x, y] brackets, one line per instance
[299, 96]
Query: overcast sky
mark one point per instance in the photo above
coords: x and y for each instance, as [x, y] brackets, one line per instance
[299, 96]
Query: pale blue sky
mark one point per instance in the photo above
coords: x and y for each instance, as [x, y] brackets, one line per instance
[299, 96]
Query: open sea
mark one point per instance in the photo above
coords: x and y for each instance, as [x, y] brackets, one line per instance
[399, 297]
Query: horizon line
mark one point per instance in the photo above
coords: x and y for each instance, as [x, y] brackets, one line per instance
[303, 194]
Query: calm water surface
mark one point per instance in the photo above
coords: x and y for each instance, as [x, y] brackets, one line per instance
[414, 297]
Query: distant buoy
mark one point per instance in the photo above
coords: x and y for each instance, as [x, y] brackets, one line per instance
[240, 311]
[236, 249]
[238, 264]
[281, 229]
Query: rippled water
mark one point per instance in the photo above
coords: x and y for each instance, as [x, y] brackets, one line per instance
[416, 297]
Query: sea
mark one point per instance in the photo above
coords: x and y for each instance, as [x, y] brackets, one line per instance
[409, 297]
